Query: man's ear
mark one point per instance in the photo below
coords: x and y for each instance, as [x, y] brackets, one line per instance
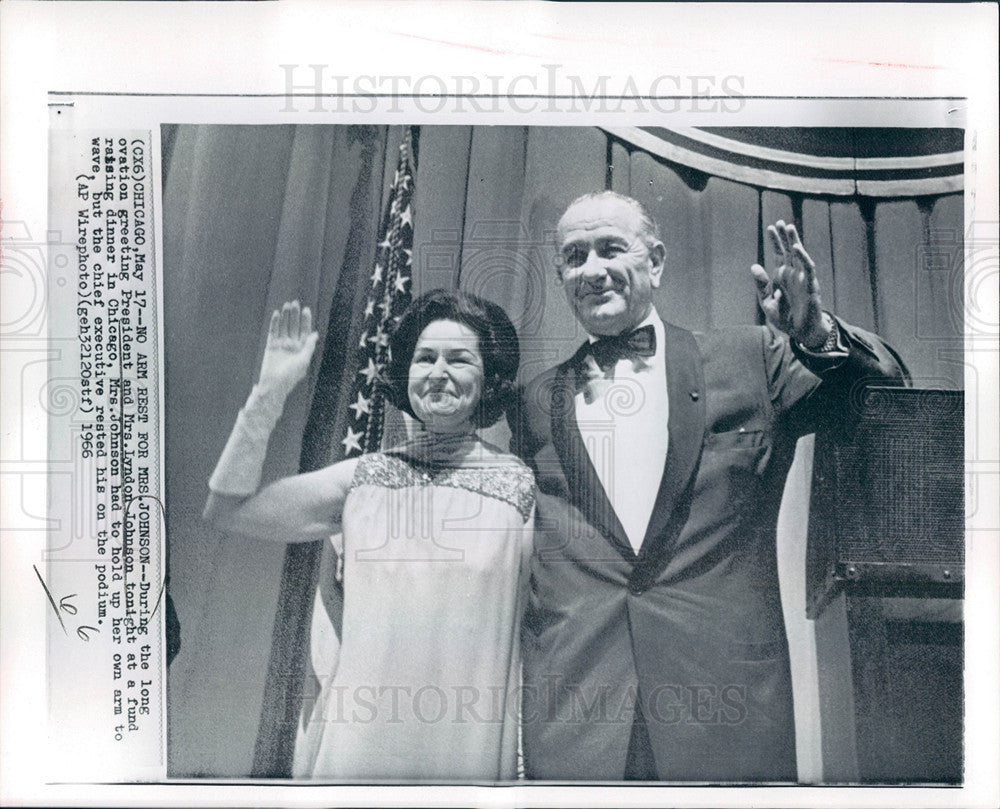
[657, 258]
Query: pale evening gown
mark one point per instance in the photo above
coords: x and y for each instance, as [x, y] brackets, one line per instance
[435, 566]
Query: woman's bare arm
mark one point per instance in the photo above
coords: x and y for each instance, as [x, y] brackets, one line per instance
[295, 509]
[300, 508]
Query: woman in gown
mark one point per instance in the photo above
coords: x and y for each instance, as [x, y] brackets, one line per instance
[436, 536]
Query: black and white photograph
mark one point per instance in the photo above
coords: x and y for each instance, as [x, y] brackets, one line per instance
[466, 522]
[590, 407]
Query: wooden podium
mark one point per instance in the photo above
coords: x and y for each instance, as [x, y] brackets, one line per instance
[885, 571]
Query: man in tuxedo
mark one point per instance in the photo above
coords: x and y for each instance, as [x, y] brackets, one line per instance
[654, 642]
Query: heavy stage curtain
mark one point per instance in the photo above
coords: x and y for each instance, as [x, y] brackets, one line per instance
[252, 216]
[255, 215]
[889, 264]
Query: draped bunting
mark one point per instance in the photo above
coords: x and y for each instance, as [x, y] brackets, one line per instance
[842, 161]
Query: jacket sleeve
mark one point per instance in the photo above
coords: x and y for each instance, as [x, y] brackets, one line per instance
[517, 420]
[524, 417]
[812, 390]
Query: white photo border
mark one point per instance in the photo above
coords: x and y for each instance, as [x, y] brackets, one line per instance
[130, 64]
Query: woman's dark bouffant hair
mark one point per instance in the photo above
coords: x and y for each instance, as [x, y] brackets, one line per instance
[498, 346]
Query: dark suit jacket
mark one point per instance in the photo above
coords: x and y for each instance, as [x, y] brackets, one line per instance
[693, 624]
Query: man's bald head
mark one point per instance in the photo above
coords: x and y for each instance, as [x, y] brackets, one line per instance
[646, 225]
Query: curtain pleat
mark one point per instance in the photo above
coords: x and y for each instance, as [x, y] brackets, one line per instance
[621, 167]
[674, 200]
[851, 265]
[560, 164]
[217, 268]
[940, 310]
[492, 265]
[252, 216]
[818, 238]
[730, 210]
[439, 202]
[353, 184]
[898, 230]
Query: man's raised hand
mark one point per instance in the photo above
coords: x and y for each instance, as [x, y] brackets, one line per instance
[789, 296]
[290, 345]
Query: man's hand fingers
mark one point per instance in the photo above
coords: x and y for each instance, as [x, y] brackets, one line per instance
[808, 267]
[761, 279]
[781, 308]
[776, 243]
[275, 324]
[781, 276]
[800, 253]
[784, 231]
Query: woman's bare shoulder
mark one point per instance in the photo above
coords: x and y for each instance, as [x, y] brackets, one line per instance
[340, 473]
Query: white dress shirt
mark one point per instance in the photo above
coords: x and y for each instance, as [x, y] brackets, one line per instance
[622, 415]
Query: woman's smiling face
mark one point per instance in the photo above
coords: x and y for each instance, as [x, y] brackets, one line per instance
[446, 377]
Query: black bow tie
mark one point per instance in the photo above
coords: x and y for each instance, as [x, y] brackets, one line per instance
[639, 343]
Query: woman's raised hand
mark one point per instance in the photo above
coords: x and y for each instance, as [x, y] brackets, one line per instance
[290, 345]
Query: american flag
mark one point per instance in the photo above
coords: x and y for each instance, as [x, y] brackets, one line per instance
[388, 295]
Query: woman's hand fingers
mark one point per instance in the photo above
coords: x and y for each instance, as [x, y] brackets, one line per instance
[306, 324]
[283, 326]
[291, 342]
[311, 340]
[294, 320]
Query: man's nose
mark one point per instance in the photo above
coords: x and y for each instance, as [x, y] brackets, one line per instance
[593, 268]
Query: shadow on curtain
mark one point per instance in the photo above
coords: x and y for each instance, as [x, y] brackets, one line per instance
[253, 216]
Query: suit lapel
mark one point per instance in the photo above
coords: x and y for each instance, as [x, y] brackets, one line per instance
[685, 424]
[587, 493]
